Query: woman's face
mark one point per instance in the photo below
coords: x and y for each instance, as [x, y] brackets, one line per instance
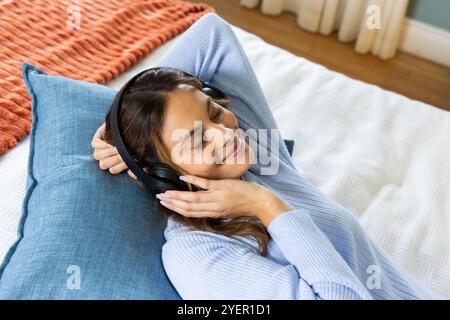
[202, 136]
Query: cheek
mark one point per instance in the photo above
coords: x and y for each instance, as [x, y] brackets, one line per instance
[236, 169]
[250, 155]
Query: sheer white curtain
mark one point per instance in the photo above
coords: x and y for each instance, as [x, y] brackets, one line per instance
[375, 25]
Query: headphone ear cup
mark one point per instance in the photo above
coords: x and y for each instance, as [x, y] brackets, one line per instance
[167, 174]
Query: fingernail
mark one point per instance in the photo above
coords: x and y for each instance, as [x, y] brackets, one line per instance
[163, 203]
[184, 178]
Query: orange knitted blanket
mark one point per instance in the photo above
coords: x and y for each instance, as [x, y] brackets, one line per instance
[90, 40]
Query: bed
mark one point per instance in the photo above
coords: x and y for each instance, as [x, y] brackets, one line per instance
[382, 155]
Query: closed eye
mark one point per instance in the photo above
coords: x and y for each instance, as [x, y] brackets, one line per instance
[217, 115]
[214, 118]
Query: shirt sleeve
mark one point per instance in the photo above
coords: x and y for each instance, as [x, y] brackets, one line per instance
[203, 265]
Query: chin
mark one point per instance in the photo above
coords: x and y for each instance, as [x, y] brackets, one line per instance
[235, 170]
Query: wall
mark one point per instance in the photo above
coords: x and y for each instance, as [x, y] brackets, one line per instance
[434, 12]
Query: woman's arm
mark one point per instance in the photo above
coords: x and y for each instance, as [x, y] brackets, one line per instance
[204, 265]
[211, 51]
[195, 259]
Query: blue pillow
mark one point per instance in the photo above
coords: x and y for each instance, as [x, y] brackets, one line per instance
[84, 233]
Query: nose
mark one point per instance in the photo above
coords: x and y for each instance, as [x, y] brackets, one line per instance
[229, 134]
[228, 120]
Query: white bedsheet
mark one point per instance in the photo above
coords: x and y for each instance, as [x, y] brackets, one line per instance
[383, 156]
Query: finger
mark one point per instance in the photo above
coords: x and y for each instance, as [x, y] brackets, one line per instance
[191, 196]
[99, 136]
[118, 168]
[109, 162]
[198, 181]
[104, 153]
[190, 206]
[101, 144]
[131, 174]
[191, 214]
[100, 132]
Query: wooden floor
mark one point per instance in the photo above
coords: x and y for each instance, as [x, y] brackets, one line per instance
[406, 74]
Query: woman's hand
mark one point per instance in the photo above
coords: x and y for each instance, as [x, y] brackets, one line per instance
[107, 155]
[226, 198]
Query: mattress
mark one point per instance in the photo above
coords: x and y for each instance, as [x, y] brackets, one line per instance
[380, 154]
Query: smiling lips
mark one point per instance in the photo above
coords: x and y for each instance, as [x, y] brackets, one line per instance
[235, 149]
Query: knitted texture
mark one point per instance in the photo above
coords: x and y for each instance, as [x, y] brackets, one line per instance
[90, 40]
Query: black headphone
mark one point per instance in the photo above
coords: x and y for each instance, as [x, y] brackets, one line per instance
[160, 177]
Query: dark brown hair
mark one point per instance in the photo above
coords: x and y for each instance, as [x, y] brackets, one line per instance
[142, 119]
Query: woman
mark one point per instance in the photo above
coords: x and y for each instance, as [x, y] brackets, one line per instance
[248, 235]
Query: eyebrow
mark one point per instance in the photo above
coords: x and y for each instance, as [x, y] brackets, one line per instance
[191, 133]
